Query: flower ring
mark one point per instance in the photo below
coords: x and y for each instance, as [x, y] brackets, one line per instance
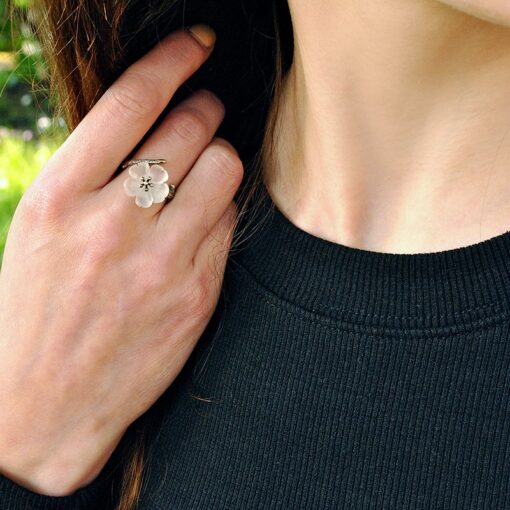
[147, 182]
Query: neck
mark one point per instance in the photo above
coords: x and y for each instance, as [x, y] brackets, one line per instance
[393, 129]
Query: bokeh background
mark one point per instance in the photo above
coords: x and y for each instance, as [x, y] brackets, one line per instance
[30, 129]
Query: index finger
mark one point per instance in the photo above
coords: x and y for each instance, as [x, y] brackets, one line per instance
[126, 111]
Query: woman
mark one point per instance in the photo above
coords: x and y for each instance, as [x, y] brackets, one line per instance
[359, 353]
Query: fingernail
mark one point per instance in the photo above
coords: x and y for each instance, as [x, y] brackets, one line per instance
[204, 34]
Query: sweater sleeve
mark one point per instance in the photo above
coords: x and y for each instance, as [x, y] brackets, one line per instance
[98, 494]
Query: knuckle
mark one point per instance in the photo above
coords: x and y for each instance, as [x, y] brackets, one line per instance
[198, 296]
[135, 94]
[225, 159]
[41, 204]
[190, 125]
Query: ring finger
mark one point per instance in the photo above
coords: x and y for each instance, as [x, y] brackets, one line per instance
[180, 139]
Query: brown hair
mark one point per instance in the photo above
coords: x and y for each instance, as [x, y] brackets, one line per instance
[82, 45]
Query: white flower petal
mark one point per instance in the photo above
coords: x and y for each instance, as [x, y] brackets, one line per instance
[159, 192]
[138, 171]
[132, 186]
[144, 199]
[158, 174]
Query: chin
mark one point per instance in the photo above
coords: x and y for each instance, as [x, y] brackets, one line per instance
[493, 11]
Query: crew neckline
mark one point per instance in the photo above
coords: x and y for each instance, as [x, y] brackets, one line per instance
[451, 288]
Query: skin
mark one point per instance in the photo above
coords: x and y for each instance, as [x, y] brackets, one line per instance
[394, 131]
[102, 302]
[401, 122]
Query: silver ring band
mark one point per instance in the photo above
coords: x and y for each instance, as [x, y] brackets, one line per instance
[132, 162]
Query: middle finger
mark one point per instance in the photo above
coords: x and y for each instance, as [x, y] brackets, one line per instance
[180, 139]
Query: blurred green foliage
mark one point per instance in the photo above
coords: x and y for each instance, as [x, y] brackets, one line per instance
[23, 74]
[28, 132]
[20, 161]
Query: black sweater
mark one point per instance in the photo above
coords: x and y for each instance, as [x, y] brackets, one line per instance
[334, 378]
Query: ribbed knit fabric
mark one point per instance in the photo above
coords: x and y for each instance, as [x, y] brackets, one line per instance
[336, 378]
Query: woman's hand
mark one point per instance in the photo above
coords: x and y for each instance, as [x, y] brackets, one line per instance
[101, 301]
